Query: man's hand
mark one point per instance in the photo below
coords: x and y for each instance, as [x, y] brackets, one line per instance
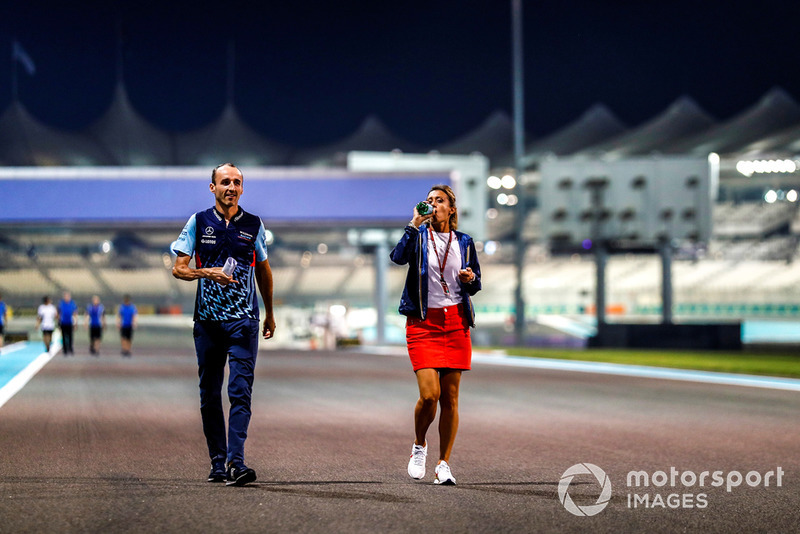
[216, 274]
[182, 271]
[263, 275]
[269, 327]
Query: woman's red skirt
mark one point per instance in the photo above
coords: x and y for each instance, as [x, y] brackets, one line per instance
[441, 341]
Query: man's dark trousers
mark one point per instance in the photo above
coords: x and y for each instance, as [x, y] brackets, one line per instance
[216, 342]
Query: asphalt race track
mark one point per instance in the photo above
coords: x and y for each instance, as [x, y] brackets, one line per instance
[115, 445]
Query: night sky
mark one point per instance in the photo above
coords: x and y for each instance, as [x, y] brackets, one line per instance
[309, 72]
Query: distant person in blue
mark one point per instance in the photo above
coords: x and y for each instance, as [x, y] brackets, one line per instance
[126, 321]
[67, 317]
[3, 320]
[226, 316]
[96, 319]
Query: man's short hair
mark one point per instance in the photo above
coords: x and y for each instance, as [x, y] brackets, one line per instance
[214, 172]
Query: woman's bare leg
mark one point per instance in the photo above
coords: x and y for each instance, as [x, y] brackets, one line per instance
[47, 337]
[425, 410]
[448, 419]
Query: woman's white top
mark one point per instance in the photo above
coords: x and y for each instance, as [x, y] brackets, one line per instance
[47, 313]
[436, 295]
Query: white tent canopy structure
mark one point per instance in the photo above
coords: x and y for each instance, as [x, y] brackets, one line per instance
[786, 142]
[372, 136]
[24, 141]
[228, 139]
[594, 126]
[123, 137]
[682, 119]
[128, 137]
[493, 137]
[774, 111]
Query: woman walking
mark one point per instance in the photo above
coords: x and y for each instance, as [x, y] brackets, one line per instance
[443, 272]
[46, 315]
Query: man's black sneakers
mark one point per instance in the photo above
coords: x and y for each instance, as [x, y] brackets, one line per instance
[239, 476]
[218, 473]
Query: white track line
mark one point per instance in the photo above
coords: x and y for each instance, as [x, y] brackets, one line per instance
[18, 382]
[640, 371]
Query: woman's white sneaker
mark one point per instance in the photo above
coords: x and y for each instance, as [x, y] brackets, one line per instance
[443, 475]
[416, 464]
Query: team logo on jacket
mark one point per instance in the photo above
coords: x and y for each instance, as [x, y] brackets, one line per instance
[210, 238]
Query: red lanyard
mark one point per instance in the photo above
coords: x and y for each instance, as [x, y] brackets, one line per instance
[442, 263]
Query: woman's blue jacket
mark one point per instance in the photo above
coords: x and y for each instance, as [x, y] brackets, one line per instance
[412, 249]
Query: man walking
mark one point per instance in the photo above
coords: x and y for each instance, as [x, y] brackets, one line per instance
[226, 315]
[67, 316]
[96, 320]
[126, 321]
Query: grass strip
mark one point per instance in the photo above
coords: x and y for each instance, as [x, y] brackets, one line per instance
[785, 364]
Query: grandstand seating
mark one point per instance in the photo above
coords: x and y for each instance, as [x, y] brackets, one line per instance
[26, 283]
[751, 219]
[322, 279]
[751, 265]
[501, 278]
[65, 260]
[79, 280]
[146, 282]
[360, 285]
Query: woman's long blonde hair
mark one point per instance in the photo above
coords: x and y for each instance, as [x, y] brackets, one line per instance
[452, 197]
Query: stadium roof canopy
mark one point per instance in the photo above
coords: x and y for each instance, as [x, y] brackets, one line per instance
[228, 139]
[122, 137]
[127, 136]
[785, 142]
[598, 124]
[371, 135]
[774, 111]
[25, 141]
[682, 119]
[494, 137]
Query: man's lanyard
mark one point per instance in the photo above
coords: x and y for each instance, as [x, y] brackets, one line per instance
[442, 263]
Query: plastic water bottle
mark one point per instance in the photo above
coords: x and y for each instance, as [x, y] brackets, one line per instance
[423, 208]
[229, 267]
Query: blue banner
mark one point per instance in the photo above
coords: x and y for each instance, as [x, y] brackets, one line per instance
[104, 195]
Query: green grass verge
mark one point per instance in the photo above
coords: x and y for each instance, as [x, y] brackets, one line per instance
[768, 363]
